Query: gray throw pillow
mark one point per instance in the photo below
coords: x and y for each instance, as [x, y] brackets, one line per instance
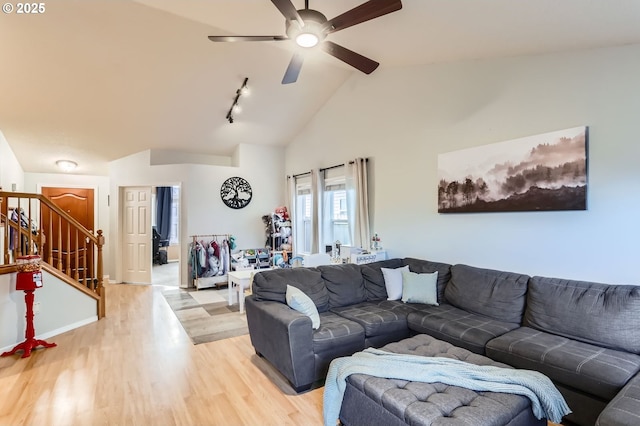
[420, 288]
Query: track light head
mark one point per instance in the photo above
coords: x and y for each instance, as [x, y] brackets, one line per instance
[235, 106]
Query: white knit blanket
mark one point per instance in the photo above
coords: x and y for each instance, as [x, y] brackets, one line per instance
[546, 400]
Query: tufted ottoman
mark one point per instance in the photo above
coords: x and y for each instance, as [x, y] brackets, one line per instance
[372, 401]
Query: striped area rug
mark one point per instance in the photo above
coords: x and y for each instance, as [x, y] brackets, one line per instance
[206, 315]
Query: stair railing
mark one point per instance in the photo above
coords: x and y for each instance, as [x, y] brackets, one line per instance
[66, 245]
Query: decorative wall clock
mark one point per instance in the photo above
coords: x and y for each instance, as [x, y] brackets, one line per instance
[236, 192]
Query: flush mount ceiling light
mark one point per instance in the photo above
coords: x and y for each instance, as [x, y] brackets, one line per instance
[66, 165]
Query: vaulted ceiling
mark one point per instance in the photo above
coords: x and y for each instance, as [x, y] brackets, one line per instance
[97, 80]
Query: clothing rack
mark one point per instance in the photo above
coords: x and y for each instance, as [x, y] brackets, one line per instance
[195, 237]
[204, 276]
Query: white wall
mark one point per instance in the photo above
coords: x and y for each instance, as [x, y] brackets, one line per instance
[403, 118]
[55, 317]
[201, 209]
[10, 170]
[55, 297]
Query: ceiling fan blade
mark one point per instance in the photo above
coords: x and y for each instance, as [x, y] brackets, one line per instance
[352, 58]
[288, 10]
[247, 38]
[293, 70]
[365, 12]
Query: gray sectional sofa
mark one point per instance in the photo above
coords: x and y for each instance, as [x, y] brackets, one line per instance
[584, 336]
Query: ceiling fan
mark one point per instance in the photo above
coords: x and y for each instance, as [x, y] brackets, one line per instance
[309, 28]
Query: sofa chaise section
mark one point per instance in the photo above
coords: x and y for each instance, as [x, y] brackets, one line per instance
[584, 336]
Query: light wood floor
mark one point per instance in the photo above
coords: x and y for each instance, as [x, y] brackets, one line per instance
[138, 367]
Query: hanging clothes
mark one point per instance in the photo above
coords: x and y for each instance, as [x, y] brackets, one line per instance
[209, 260]
[223, 251]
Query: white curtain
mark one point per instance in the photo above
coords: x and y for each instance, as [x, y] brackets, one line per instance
[317, 194]
[325, 211]
[358, 203]
[290, 201]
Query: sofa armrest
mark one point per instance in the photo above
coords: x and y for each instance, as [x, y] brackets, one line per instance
[624, 408]
[284, 337]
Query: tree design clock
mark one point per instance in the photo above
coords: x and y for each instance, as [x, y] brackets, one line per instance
[236, 192]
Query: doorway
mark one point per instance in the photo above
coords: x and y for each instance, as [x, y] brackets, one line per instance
[136, 235]
[166, 230]
[138, 220]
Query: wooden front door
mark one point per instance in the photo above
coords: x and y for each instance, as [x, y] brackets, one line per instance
[78, 203]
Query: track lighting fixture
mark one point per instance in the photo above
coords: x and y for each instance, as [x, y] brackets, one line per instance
[235, 106]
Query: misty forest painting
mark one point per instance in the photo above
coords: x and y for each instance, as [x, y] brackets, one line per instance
[537, 173]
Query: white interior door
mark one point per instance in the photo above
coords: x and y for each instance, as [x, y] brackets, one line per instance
[136, 235]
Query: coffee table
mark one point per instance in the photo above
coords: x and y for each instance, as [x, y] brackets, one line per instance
[239, 281]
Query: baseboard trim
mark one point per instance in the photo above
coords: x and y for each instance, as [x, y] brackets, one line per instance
[105, 279]
[52, 333]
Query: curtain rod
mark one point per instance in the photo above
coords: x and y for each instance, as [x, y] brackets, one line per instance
[323, 169]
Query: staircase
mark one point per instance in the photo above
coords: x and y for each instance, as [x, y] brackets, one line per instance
[68, 250]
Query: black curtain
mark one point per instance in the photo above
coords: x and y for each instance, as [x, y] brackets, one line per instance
[163, 211]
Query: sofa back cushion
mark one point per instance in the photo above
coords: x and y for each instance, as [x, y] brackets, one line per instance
[345, 284]
[600, 314]
[496, 294]
[420, 266]
[272, 285]
[374, 279]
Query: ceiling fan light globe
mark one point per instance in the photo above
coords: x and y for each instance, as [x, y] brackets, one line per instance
[307, 40]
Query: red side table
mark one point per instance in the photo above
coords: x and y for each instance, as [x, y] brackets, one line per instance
[29, 278]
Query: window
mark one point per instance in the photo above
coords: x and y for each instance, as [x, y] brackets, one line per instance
[335, 213]
[302, 231]
[335, 221]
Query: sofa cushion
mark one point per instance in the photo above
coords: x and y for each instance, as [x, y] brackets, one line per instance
[600, 314]
[336, 331]
[400, 307]
[592, 369]
[374, 280]
[375, 319]
[425, 266]
[345, 284]
[456, 326]
[495, 294]
[272, 285]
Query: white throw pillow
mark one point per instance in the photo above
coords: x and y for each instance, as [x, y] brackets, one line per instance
[393, 281]
[296, 299]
